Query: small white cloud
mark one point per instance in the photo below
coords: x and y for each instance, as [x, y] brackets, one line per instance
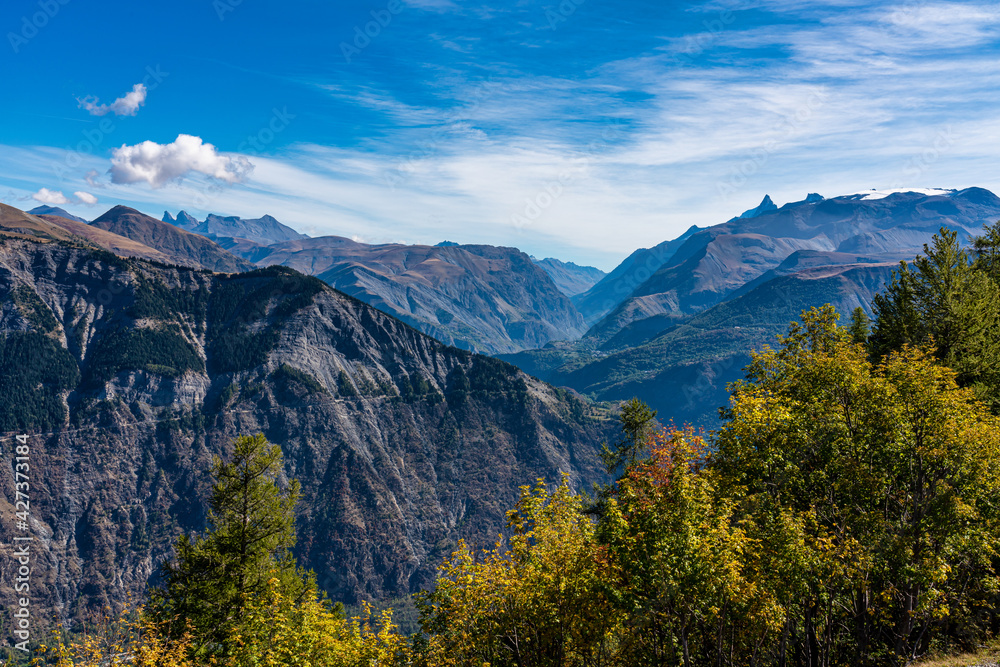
[85, 198]
[126, 105]
[158, 164]
[50, 197]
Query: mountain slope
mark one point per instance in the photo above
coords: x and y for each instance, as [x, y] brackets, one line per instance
[16, 223]
[715, 261]
[570, 279]
[402, 445]
[56, 211]
[613, 288]
[684, 370]
[180, 246]
[481, 298]
[119, 245]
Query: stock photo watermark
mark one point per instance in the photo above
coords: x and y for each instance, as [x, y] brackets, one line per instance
[94, 138]
[552, 190]
[22, 543]
[32, 24]
[562, 12]
[740, 174]
[921, 162]
[253, 145]
[452, 121]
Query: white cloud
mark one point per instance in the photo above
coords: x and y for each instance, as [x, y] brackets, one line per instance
[50, 197]
[158, 164]
[85, 198]
[57, 198]
[127, 105]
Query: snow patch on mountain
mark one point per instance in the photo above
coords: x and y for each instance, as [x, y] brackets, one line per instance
[867, 195]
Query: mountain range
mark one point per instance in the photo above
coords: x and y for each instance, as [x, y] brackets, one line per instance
[132, 374]
[263, 230]
[135, 350]
[678, 337]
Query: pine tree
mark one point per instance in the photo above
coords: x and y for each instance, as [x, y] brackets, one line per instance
[251, 529]
[860, 327]
[945, 299]
[638, 423]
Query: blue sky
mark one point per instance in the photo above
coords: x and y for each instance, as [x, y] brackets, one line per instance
[579, 130]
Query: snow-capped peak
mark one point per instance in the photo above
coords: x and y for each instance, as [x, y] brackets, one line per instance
[880, 194]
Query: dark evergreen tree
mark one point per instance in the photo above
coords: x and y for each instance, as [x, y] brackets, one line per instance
[860, 327]
[945, 300]
[251, 529]
[638, 423]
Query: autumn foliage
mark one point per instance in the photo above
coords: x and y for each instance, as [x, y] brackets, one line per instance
[847, 512]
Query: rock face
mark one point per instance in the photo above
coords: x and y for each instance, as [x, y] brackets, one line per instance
[180, 246]
[482, 298]
[132, 375]
[571, 279]
[264, 230]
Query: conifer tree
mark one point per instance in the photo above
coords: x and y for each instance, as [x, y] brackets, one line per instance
[860, 327]
[251, 529]
[946, 300]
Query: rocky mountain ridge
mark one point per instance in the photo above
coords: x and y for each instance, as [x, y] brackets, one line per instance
[132, 375]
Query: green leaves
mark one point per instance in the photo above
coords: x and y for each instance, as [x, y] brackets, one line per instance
[947, 300]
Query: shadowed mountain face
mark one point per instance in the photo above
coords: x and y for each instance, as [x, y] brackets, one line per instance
[570, 279]
[134, 375]
[264, 230]
[686, 331]
[180, 246]
[481, 298]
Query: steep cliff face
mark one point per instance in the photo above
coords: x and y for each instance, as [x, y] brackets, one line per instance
[133, 375]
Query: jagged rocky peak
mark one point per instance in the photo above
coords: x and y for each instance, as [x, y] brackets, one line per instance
[765, 206]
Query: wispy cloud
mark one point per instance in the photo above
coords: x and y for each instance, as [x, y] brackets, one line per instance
[779, 97]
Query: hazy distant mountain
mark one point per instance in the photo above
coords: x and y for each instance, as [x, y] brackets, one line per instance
[264, 230]
[765, 206]
[570, 278]
[55, 210]
[714, 262]
[184, 220]
[480, 298]
[683, 371]
[687, 330]
[615, 287]
[180, 246]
